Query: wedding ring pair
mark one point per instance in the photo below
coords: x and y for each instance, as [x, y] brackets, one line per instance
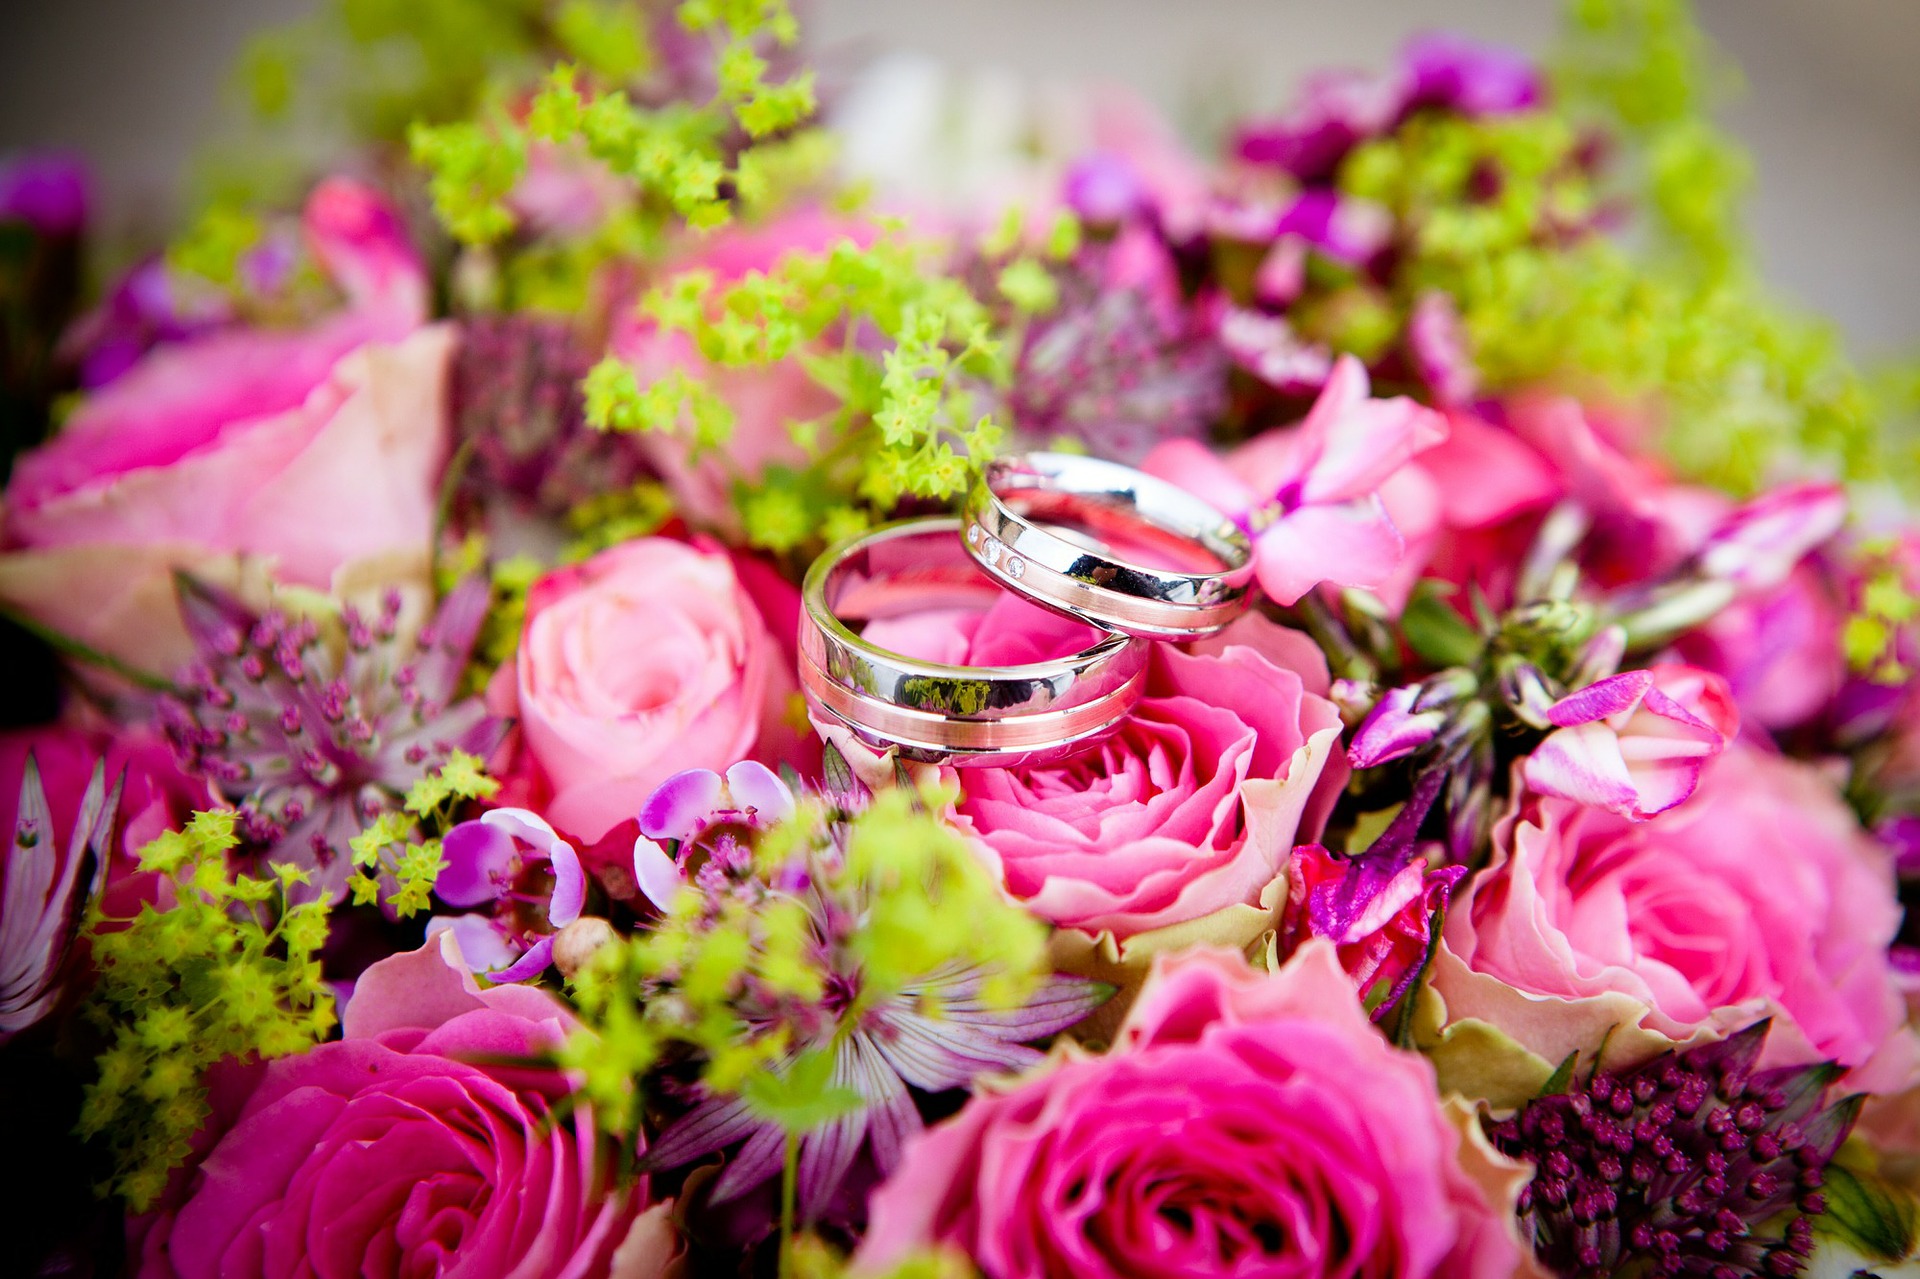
[1135, 557]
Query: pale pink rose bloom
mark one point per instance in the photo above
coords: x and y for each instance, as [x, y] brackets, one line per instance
[1311, 496]
[645, 660]
[1635, 743]
[1243, 1123]
[409, 1147]
[766, 401]
[1192, 807]
[1760, 895]
[305, 452]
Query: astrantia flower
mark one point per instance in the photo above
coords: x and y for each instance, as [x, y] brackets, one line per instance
[1694, 1163]
[934, 1033]
[1120, 360]
[43, 893]
[510, 860]
[312, 741]
[517, 404]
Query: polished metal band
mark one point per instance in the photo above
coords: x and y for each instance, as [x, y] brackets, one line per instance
[1054, 527]
[962, 715]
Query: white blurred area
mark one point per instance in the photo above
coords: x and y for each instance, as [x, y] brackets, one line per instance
[951, 96]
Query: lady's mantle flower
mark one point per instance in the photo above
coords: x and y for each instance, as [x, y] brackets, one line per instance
[934, 1033]
[42, 895]
[1694, 1163]
[313, 742]
[511, 860]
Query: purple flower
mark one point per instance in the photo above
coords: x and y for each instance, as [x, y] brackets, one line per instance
[43, 894]
[1757, 546]
[513, 862]
[149, 306]
[49, 191]
[311, 739]
[1340, 109]
[1635, 743]
[517, 406]
[1694, 1163]
[934, 1034]
[1441, 69]
[1120, 361]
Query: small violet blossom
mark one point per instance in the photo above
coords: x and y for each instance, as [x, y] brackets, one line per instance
[507, 858]
[1635, 743]
[696, 800]
[1316, 515]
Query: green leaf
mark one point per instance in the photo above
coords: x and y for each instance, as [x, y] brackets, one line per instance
[1869, 1212]
[1561, 1080]
[1437, 633]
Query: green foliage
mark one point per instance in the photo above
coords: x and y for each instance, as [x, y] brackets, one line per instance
[232, 970]
[683, 159]
[906, 421]
[1885, 611]
[400, 852]
[711, 974]
[1496, 213]
[1868, 1211]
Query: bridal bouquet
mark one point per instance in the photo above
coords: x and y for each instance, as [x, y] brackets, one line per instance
[443, 845]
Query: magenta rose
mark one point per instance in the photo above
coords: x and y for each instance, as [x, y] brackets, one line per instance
[1242, 1124]
[311, 455]
[1191, 808]
[1759, 896]
[407, 1148]
[650, 658]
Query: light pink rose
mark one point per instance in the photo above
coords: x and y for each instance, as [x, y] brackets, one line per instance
[645, 660]
[407, 1148]
[766, 402]
[299, 452]
[1242, 1124]
[1312, 496]
[1760, 895]
[1192, 807]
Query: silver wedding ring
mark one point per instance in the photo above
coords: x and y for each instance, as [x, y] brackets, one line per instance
[1108, 545]
[1003, 716]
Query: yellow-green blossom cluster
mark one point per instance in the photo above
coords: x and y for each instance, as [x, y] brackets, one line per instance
[397, 853]
[694, 160]
[920, 902]
[230, 970]
[905, 350]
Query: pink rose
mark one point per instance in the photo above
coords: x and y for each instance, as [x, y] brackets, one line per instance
[766, 402]
[1191, 808]
[1242, 1124]
[406, 1148]
[1760, 895]
[309, 454]
[648, 659]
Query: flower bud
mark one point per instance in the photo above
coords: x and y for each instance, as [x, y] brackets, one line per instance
[575, 945]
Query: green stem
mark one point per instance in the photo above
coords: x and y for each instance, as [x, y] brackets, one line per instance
[789, 1178]
[80, 650]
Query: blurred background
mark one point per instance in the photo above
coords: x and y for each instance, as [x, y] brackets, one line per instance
[1830, 103]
